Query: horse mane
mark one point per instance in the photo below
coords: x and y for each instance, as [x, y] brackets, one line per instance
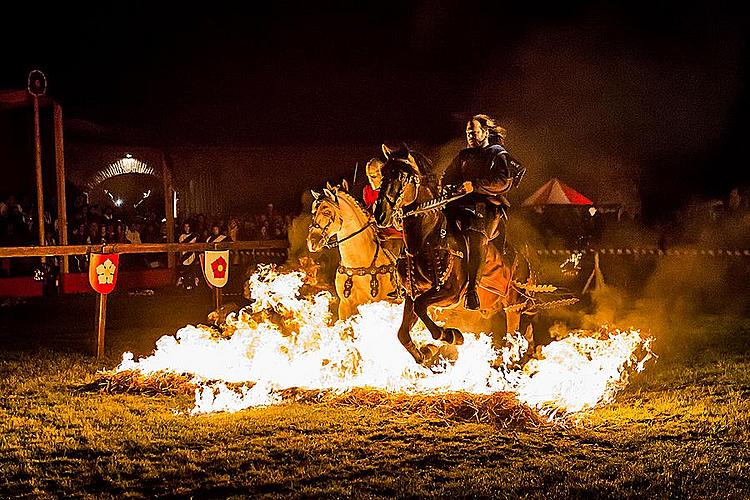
[339, 191]
[423, 163]
[354, 201]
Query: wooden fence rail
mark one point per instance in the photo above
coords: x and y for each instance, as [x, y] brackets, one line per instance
[59, 250]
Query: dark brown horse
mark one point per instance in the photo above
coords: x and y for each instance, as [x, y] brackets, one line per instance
[433, 267]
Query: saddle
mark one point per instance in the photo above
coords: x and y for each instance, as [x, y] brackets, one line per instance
[433, 264]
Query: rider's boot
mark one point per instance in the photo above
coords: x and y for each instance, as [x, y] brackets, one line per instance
[477, 251]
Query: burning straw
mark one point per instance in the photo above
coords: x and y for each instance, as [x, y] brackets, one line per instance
[500, 409]
[135, 382]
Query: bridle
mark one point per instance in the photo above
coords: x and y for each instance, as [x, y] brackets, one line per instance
[339, 241]
[373, 270]
[396, 205]
[334, 241]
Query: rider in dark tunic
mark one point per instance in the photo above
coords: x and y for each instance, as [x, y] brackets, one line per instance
[486, 172]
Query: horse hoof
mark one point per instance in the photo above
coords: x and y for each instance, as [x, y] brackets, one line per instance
[458, 338]
[453, 336]
[428, 352]
[433, 357]
[448, 352]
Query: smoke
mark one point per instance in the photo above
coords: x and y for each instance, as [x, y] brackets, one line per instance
[682, 300]
[597, 107]
[300, 257]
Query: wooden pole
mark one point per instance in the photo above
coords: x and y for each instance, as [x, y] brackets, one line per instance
[38, 165]
[101, 324]
[62, 213]
[596, 273]
[168, 208]
[217, 298]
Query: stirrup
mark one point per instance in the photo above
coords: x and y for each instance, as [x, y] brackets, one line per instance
[472, 299]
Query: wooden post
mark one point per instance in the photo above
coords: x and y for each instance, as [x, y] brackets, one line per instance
[217, 298]
[168, 208]
[101, 303]
[62, 214]
[38, 164]
[596, 276]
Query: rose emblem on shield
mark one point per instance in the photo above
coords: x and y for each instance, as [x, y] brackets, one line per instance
[219, 268]
[105, 272]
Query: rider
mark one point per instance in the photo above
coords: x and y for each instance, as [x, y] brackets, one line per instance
[390, 238]
[485, 171]
[373, 169]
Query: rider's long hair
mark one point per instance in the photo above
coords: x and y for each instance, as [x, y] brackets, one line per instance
[496, 132]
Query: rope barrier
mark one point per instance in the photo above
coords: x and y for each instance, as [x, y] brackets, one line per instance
[692, 252]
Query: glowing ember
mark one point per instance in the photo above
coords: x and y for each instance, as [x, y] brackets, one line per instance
[284, 341]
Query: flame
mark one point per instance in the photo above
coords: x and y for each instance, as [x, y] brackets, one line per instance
[284, 341]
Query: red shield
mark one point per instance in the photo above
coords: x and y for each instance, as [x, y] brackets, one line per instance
[216, 267]
[103, 269]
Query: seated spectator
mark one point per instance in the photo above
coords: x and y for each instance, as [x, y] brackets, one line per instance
[216, 235]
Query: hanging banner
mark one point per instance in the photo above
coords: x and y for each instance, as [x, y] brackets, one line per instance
[216, 267]
[103, 269]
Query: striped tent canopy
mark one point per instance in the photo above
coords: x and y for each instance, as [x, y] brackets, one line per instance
[555, 192]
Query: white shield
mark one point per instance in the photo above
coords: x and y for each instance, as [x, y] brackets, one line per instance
[216, 267]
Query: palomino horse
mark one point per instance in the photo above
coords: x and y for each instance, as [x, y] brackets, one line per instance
[366, 272]
[433, 270]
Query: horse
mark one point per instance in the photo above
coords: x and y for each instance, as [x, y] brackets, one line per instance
[366, 272]
[433, 271]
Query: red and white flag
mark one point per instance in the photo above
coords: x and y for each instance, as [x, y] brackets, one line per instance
[216, 267]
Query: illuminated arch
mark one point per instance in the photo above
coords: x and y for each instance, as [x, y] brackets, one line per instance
[125, 165]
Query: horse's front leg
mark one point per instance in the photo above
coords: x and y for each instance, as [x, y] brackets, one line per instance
[434, 296]
[404, 331]
[346, 308]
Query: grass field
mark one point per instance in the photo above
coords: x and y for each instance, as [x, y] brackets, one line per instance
[681, 429]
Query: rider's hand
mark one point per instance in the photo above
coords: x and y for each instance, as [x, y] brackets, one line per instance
[468, 187]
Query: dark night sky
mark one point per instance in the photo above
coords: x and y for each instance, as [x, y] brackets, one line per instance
[656, 88]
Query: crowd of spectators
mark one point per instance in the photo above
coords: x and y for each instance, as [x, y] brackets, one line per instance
[269, 225]
[17, 221]
[92, 224]
[18, 227]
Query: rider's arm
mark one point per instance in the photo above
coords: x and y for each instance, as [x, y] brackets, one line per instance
[498, 181]
[452, 175]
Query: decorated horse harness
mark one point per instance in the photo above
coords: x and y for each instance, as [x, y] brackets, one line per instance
[372, 270]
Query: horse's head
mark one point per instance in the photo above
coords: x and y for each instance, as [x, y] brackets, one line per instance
[401, 179]
[326, 218]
